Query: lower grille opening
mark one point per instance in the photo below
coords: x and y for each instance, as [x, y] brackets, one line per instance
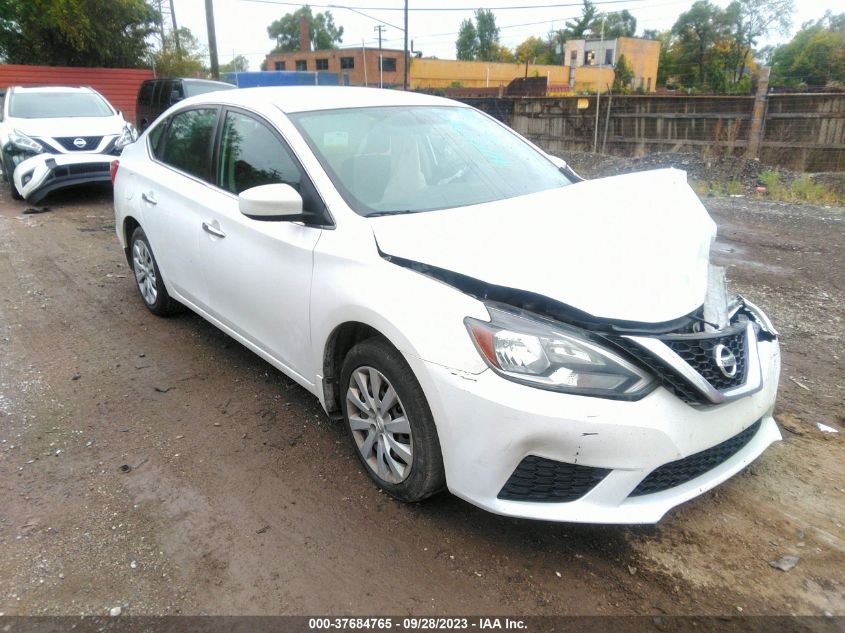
[686, 469]
[545, 480]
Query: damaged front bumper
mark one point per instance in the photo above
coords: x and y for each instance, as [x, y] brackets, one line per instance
[525, 452]
[39, 175]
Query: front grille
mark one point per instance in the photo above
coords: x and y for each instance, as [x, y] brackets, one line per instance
[545, 480]
[91, 143]
[699, 353]
[686, 469]
[65, 171]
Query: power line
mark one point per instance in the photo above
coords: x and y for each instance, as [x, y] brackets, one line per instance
[501, 8]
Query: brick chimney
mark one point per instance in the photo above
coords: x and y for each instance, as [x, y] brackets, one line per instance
[304, 35]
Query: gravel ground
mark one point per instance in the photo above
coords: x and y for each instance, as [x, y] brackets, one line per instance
[241, 497]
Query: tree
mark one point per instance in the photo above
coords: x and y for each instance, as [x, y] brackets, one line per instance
[623, 75]
[580, 26]
[467, 42]
[616, 24]
[666, 61]
[815, 56]
[479, 40]
[185, 61]
[488, 34]
[109, 33]
[697, 32]
[532, 50]
[324, 33]
[238, 64]
[749, 21]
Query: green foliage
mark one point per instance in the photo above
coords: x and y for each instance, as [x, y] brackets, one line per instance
[616, 24]
[324, 33]
[623, 75]
[238, 64]
[186, 60]
[467, 42]
[479, 40]
[815, 56]
[580, 26]
[108, 33]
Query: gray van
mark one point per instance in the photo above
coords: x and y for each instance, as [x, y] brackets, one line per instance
[156, 95]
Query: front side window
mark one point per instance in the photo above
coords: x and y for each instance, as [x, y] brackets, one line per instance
[187, 142]
[400, 160]
[49, 105]
[252, 155]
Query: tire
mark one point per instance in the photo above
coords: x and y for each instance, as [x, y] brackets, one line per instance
[148, 277]
[374, 362]
[8, 174]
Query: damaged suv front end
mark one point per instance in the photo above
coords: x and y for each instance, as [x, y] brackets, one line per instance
[56, 137]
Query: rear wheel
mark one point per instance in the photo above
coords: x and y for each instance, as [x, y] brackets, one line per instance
[148, 277]
[390, 423]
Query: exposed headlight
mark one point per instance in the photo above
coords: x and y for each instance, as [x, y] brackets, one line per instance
[546, 354]
[25, 144]
[129, 135]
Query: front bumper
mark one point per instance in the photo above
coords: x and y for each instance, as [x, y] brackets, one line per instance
[488, 425]
[38, 175]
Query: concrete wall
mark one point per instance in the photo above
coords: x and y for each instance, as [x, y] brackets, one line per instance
[118, 85]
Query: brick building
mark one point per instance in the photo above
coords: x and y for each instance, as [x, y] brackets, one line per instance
[361, 64]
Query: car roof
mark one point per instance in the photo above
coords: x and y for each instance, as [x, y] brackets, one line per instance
[291, 99]
[68, 89]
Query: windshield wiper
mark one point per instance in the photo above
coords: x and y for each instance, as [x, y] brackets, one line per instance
[378, 214]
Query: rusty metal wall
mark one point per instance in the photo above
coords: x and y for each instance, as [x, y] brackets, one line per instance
[118, 85]
[800, 132]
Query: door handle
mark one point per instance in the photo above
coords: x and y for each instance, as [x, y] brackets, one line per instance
[149, 198]
[213, 230]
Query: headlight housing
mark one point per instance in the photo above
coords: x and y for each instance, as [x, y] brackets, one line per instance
[528, 349]
[128, 136]
[23, 143]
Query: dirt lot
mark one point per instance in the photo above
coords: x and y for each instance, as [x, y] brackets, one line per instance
[242, 497]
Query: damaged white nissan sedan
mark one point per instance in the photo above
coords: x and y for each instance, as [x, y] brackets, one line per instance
[481, 318]
[53, 137]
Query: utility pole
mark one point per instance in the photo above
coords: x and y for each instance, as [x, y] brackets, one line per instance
[405, 77]
[175, 28]
[380, 28]
[212, 39]
[598, 90]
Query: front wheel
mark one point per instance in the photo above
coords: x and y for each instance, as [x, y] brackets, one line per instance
[148, 277]
[390, 423]
[8, 173]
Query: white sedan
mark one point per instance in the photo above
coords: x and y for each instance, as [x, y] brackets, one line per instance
[480, 317]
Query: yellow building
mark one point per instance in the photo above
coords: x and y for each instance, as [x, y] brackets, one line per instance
[590, 61]
[443, 73]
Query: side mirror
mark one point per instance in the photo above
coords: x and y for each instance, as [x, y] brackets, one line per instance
[558, 162]
[272, 202]
[175, 97]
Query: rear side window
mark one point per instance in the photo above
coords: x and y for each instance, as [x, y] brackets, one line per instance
[164, 94]
[187, 141]
[145, 94]
[252, 155]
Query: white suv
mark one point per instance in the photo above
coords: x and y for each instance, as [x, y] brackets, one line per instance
[53, 137]
[480, 317]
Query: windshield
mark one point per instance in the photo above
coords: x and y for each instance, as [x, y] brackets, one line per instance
[49, 105]
[404, 159]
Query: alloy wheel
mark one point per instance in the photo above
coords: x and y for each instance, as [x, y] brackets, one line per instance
[379, 425]
[145, 274]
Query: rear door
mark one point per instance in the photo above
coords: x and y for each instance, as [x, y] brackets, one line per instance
[259, 272]
[175, 192]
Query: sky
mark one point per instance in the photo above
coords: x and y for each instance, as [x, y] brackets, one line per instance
[242, 24]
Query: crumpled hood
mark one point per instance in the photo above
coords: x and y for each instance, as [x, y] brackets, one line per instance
[633, 247]
[73, 126]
